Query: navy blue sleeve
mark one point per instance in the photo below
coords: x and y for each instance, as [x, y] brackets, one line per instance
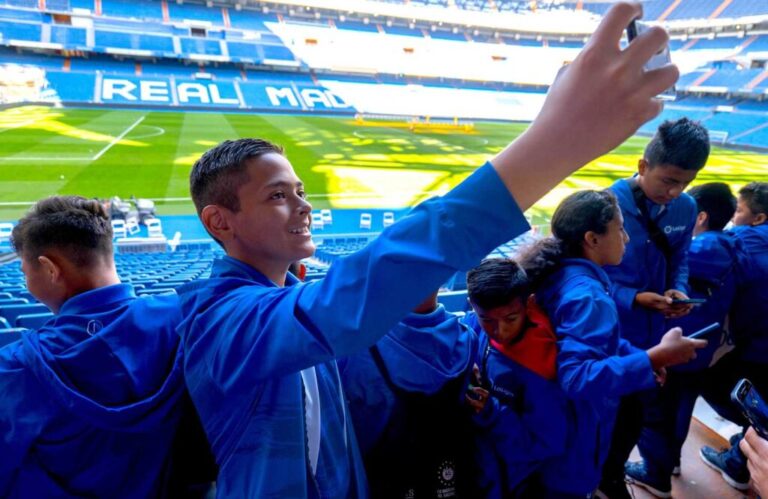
[585, 325]
[22, 415]
[272, 332]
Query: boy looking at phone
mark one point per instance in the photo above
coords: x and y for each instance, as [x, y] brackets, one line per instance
[659, 219]
[716, 260]
[523, 421]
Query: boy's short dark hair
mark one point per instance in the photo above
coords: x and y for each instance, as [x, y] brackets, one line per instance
[496, 282]
[755, 195]
[75, 226]
[717, 201]
[682, 143]
[217, 175]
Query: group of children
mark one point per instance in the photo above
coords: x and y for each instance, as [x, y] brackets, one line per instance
[271, 387]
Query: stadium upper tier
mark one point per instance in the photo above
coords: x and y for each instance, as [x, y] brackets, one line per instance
[653, 9]
[160, 29]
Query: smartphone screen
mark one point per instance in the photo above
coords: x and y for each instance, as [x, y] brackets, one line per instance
[660, 59]
[689, 301]
[752, 405]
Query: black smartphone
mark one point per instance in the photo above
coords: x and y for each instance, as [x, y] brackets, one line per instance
[660, 59]
[686, 301]
[752, 405]
[705, 331]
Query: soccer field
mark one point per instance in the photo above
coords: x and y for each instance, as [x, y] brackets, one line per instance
[344, 163]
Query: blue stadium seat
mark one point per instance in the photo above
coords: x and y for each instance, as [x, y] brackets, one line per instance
[11, 312]
[32, 321]
[454, 301]
[13, 301]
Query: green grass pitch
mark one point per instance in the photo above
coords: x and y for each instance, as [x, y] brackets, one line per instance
[344, 163]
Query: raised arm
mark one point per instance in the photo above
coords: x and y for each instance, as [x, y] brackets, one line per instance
[598, 102]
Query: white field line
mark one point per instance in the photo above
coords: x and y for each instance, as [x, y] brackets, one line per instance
[77, 158]
[118, 138]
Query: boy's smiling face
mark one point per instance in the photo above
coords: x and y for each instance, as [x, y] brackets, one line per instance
[272, 228]
[505, 323]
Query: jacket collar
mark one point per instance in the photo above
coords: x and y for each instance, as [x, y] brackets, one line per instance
[98, 297]
[228, 267]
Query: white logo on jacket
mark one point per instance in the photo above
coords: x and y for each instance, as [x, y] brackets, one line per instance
[669, 229]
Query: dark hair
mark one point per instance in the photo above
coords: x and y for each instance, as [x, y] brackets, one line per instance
[77, 227]
[682, 143]
[496, 282]
[217, 175]
[755, 195]
[577, 214]
[717, 201]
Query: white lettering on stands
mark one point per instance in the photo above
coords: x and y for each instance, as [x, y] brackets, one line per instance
[313, 96]
[275, 94]
[335, 100]
[189, 91]
[216, 96]
[154, 91]
[123, 88]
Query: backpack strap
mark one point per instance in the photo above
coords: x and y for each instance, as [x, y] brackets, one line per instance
[655, 234]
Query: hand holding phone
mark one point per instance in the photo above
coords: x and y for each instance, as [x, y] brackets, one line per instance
[752, 405]
[705, 331]
[688, 301]
[661, 59]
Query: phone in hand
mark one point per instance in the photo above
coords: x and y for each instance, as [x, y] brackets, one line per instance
[688, 301]
[660, 59]
[705, 331]
[752, 405]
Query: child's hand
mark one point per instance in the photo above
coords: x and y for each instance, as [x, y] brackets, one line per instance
[476, 397]
[653, 301]
[756, 449]
[677, 309]
[673, 349]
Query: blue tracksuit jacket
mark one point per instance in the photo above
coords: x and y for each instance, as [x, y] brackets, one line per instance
[717, 263]
[421, 354]
[523, 423]
[260, 360]
[644, 265]
[90, 400]
[747, 318]
[595, 369]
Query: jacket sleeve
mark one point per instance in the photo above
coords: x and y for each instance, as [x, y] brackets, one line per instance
[624, 296]
[585, 324]
[424, 351]
[273, 332]
[22, 415]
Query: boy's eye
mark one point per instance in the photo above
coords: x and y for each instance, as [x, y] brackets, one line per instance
[302, 194]
[278, 195]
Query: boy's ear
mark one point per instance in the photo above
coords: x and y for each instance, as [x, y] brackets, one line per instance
[760, 219]
[642, 166]
[702, 219]
[51, 267]
[215, 218]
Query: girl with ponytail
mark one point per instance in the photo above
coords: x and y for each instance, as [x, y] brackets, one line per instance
[595, 366]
